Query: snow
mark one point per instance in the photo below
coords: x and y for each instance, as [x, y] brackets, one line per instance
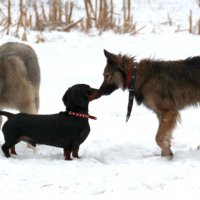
[117, 157]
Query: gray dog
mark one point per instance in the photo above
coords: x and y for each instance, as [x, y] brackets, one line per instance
[19, 78]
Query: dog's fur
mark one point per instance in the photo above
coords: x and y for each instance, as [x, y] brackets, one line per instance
[59, 130]
[165, 87]
[19, 78]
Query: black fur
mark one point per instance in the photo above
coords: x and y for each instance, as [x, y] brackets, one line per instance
[59, 130]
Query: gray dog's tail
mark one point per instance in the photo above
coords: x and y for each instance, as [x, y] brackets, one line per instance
[7, 114]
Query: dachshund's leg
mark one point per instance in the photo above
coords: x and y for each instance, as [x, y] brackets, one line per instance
[12, 150]
[5, 150]
[75, 152]
[67, 154]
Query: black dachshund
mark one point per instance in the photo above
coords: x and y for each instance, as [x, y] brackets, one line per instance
[66, 129]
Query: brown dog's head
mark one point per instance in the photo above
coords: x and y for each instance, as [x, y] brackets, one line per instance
[77, 97]
[114, 74]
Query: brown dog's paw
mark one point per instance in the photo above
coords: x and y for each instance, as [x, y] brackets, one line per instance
[167, 154]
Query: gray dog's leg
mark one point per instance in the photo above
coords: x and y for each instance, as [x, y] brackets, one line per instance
[0, 121]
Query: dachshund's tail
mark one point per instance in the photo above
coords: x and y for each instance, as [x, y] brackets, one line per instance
[7, 114]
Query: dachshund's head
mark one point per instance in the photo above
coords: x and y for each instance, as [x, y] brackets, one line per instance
[77, 97]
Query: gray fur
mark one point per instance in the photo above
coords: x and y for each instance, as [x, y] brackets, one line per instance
[19, 78]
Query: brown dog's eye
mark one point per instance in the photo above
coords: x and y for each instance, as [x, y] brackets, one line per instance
[107, 77]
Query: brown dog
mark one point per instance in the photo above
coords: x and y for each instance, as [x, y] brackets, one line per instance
[19, 78]
[165, 87]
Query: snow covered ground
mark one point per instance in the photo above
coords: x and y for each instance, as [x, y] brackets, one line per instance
[116, 158]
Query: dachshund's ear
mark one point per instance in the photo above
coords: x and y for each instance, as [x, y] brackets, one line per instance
[66, 95]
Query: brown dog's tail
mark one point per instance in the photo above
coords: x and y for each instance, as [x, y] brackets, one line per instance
[7, 114]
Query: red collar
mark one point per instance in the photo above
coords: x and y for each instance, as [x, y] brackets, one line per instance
[130, 75]
[128, 79]
[81, 115]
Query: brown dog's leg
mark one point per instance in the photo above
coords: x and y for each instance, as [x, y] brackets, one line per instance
[167, 122]
[75, 152]
[67, 154]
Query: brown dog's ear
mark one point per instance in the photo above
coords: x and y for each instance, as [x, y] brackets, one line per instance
[106, 53]
[112, 58]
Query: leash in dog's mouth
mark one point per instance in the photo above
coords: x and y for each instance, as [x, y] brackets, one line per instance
[82, 115]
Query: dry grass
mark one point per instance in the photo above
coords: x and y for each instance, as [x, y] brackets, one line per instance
[58, 15]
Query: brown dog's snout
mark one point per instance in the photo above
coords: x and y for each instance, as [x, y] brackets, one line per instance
[95, 94]
[107, 89]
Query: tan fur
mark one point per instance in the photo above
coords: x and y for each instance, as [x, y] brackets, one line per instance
[19, 78]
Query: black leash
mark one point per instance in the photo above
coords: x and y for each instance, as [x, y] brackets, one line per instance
[131, 89]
